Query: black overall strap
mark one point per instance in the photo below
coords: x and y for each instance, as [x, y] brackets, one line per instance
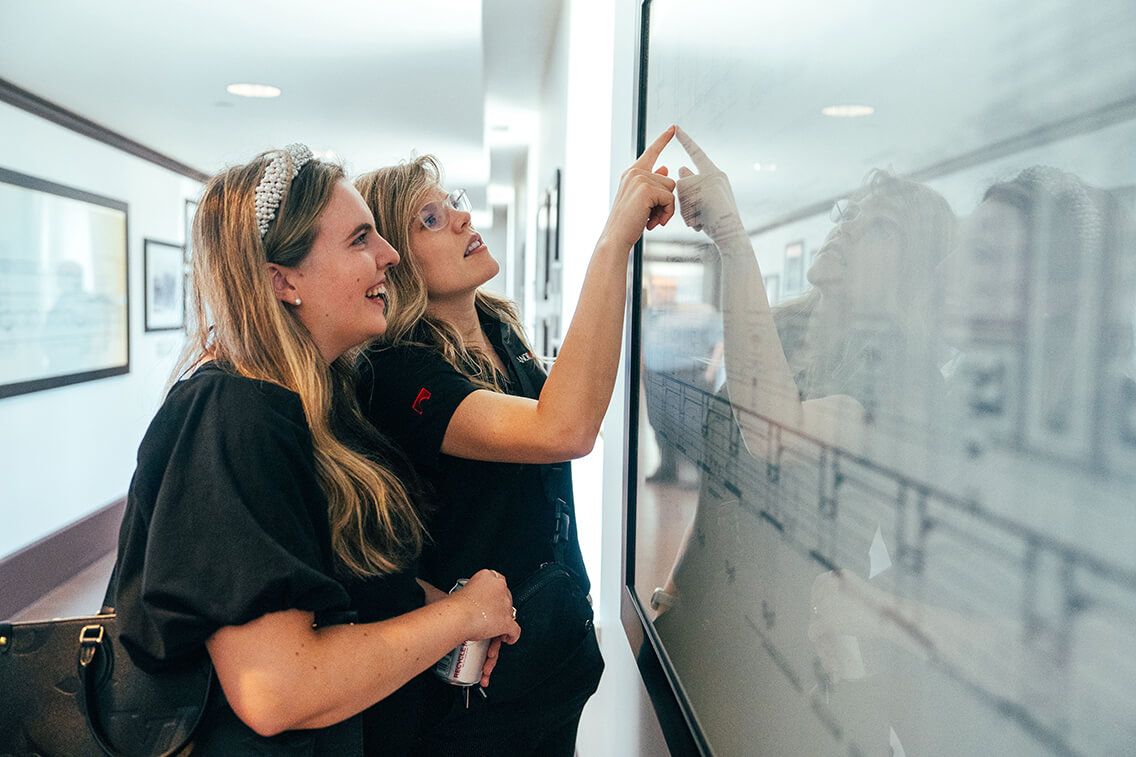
[521, 361]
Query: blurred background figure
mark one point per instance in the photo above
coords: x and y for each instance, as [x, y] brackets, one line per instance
[682, 347]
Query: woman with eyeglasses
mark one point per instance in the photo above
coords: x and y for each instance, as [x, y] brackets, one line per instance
[840, 354]
[262, 497]
[455, 383]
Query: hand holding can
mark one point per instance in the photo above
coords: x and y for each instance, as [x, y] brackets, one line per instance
[466, 664]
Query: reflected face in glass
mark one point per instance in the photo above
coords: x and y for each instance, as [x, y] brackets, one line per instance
[982, 282]
[859, 261]
[448, 251]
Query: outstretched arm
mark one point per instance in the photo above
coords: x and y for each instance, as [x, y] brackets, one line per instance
[565, 421]
[758, 377]
[280, 674]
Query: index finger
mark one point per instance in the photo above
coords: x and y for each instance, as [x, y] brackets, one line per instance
[647, 160]
[699, 158]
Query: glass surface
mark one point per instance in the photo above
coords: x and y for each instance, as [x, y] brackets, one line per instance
[887, 415]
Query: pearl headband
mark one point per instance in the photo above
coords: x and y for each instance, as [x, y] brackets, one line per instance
[1066, 188]
[277, 177]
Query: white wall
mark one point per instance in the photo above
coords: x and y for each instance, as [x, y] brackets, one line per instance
[590, 97]
[66, 452]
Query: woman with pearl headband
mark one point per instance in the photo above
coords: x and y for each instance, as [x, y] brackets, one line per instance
[261, 497]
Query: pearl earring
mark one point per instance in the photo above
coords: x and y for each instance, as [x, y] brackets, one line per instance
[297, 300]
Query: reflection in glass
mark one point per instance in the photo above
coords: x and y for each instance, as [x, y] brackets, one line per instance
[902, 514]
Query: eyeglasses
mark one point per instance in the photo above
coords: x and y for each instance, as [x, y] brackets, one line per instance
[435, 216]
[843, 211]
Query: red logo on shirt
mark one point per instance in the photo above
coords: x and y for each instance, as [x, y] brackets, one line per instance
[423, 395]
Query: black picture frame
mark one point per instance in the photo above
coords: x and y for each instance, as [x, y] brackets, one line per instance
[190, 211]
[163, 268]
[64, 285]
[794, 270]
[549, 280]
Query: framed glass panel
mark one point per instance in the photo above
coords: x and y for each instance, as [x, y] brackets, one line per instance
[882, 455]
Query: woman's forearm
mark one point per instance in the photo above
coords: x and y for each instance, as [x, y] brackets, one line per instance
[579, 386]
[279, 673]
[758, 378]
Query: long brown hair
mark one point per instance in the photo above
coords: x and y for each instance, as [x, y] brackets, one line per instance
[395, 194]
[241, 324]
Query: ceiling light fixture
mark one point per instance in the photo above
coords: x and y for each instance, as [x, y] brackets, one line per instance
[848, 111]
[765, 167]
[253, 90]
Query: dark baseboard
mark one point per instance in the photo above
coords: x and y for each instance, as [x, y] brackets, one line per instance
[27, 575]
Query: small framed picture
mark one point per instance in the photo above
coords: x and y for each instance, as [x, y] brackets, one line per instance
[794, 267]
[190, 212]
[164, 272]
[772, 288]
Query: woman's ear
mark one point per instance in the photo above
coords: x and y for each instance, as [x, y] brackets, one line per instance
[282, 284]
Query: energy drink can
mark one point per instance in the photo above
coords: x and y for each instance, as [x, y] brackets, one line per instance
[462, 666]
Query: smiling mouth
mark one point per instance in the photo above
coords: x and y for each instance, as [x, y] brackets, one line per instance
[378, 292]
[475, 245]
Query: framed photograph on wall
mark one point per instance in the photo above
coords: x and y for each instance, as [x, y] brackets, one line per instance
[164, 273]
[64, 300]
[772, 288]
[190, 212]
[794, 267]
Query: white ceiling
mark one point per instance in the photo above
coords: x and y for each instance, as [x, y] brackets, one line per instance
[375, 81]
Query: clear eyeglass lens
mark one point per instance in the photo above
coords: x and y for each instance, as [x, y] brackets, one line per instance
[844, 211]
[459, 200]
[435, 215]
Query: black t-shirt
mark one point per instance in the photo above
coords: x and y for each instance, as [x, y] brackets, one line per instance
[488, 515]
[226, 521]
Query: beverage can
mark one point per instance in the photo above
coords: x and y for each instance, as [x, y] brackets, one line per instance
[462, 665]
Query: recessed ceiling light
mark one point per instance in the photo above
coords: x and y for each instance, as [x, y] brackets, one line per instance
[848, 111]
[253, 90]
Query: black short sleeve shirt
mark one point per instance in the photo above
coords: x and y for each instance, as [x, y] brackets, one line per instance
[487, 515]
[225, 519]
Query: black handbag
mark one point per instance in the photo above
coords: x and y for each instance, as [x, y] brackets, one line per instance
[68, 689]
[555, 619]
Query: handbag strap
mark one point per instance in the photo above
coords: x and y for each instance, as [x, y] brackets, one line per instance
[94, 655]
[521, 361]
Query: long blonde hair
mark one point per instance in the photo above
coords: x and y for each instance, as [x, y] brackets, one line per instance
[395, 194]
[241, 325]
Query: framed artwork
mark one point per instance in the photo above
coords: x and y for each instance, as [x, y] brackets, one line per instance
[164, 274]
[772, 288]
[190, 212]
[64, 299]
[794, 267]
